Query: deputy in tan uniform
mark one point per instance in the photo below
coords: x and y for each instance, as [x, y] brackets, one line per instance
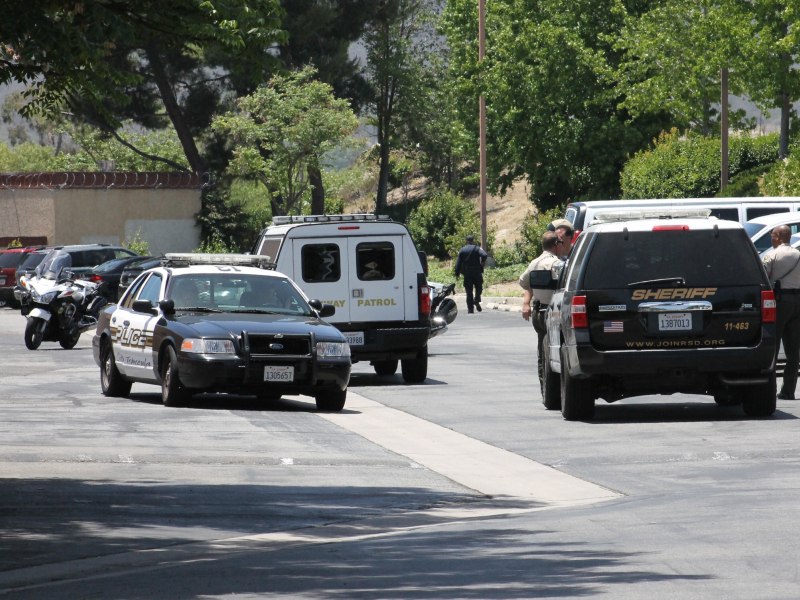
[566, 233]
[541, 298]
[783, 265]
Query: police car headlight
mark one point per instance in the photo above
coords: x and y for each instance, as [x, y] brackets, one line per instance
[197, 346]
[331, 349]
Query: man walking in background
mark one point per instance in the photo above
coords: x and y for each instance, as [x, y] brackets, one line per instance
[470, 262]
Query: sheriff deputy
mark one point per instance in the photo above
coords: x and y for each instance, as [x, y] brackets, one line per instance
[541, 298]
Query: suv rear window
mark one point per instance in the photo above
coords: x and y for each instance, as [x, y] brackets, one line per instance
[697, 256]
[10, 259]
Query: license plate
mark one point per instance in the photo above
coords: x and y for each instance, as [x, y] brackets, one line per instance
[354, 338]
[675, 322]
[281, 374]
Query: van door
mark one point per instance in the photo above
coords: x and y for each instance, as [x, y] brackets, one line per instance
[376, 278]
[321, 270]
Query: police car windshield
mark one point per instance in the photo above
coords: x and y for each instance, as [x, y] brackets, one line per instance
[236, 292]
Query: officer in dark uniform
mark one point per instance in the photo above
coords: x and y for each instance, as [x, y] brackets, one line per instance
[470, 262]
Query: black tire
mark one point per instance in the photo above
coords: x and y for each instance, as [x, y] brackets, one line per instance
[551, 387]
[760, 400]
[577, 395]
[415, 370]
[331, 400]
[385, 367]
[728, 398]
[68, 342]
[34, 334]
[112, 383]
[172, 391]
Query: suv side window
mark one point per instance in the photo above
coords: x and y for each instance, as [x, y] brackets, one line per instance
[133, 290]
[375, 261]
[151, 290]
[321, 263]
[577, 260]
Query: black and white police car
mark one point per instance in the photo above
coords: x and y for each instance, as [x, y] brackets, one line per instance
[221, 323]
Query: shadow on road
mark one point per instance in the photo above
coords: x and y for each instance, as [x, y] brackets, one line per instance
[650, 412]
[374, 380]
[234, 402]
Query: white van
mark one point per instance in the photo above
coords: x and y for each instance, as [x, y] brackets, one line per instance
[369, 268]
[580, 214]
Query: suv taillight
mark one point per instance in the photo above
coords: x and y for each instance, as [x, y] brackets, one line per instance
[424, 300]
[580, 318]
[768, 307]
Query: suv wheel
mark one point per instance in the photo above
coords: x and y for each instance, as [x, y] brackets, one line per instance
[172, 391]
[385, 367]
[331, 400]
[551, 385]
[760, 400]
[111, 382]
[415, 370]
[577, 395]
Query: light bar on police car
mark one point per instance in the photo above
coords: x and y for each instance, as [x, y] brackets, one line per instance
[286, 220]
[241, 260]
[651, 213]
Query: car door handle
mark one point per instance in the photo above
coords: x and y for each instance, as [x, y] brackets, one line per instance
[126, 323]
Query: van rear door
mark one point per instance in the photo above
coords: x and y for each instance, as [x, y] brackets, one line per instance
[321, 270]
[376, 278]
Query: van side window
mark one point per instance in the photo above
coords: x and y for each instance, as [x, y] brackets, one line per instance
[726, 214]
[754, 213]
[270, 247]
[321, 263]
[571, 215]
[375, 261]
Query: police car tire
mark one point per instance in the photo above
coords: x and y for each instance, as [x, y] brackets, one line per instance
[111, 382]
[385, 367]
[551, 390]
[172, 391]
[761, 400]
[415, 370]
[577, 395]
[331, 400]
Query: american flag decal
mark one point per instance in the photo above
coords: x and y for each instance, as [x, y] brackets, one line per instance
[612, 326]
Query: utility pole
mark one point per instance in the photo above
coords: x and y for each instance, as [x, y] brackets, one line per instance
[482, 124]
[723, 128]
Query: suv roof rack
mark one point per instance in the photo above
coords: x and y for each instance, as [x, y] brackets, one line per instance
[640, 214]
[240, 260]
[326, 218]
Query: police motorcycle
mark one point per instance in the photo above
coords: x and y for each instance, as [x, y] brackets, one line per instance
[443, 309]
[59, 307]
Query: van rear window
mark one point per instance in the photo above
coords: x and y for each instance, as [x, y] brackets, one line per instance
[375, 261]
[321, 263]
[697, 256]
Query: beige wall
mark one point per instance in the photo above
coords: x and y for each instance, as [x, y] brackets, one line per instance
[165, 217]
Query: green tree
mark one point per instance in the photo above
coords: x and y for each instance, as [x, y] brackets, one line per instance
[283, 128]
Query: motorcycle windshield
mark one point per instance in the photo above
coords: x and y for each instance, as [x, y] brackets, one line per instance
[53, 265]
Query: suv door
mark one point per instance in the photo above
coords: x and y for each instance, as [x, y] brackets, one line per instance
[321, 270]
[376, 279]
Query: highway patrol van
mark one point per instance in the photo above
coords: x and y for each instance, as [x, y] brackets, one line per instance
[369, 268]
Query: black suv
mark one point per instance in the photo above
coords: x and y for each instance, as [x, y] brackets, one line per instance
[659, 307]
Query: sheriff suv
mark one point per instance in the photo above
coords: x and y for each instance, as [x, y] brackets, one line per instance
[660, 306]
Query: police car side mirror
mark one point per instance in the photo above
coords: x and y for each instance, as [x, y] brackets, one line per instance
[542, 280]
[143, 306]
[328, 310]
[167, 306]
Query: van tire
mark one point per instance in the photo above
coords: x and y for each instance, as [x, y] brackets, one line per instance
[385, 367]
[551, 386]
[577, 395]
[331, 400]
[761, 400]
[173, 393]
[111, 382]
[415, 370]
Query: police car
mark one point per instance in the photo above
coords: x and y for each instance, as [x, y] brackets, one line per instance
[659, 306]
[221, 323]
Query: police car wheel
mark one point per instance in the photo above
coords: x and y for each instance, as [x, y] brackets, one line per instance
[385, 367]
[577, 395]
[172, 391]
[551, 385]
[111, 382]
[760, 400]
[415, 370]
[331, 400]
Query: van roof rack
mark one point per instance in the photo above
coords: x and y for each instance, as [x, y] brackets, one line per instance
[240, 260]
[327, 218]
[639, 214]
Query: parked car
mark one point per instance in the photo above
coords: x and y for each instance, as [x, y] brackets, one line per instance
[82, 259]
[10, 260]
[131, 272]
[110, 273]
[760, 229]
[32, 260]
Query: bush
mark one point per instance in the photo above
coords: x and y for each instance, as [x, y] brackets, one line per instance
[745, 184]
[690, 167]
[25, 157]
[529, 245]
[442, 221]
[784, 178]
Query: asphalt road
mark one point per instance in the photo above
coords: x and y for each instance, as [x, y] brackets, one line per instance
[105, 498]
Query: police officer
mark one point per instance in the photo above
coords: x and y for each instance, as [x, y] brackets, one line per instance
[783, 267]
[471, 260]
[541, 298]
[566, 233]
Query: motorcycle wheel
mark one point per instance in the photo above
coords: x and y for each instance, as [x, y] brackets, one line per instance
[67, 341]
[34, 333]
